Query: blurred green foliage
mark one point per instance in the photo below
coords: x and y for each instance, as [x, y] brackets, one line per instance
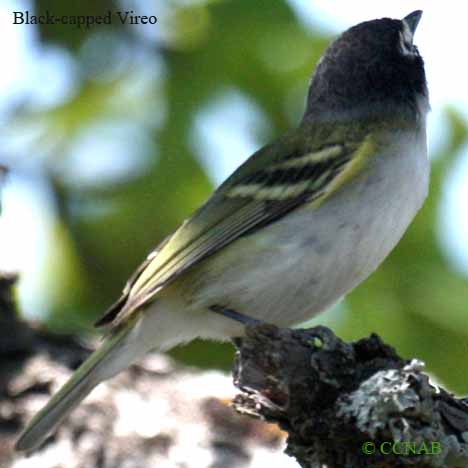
[158, 81]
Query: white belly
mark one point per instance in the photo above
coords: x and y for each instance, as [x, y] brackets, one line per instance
[305, 262]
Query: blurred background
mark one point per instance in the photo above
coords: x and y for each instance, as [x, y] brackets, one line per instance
[114, 134]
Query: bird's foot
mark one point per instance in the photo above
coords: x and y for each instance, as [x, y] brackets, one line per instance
[232, 314]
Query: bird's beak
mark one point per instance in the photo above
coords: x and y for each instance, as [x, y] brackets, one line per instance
[412, 20]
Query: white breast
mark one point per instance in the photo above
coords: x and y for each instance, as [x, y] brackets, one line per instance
[308, 260]
[304, 262]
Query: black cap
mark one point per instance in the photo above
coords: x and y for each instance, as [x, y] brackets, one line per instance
[371, 67]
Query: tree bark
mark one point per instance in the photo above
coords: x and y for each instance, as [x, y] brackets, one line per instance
[341, 404]
[348, 404]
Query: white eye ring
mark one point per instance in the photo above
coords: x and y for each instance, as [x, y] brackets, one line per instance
[406, 40]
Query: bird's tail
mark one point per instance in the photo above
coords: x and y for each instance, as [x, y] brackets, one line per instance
[105, 362]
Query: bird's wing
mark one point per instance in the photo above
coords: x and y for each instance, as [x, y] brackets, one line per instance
[274, 181]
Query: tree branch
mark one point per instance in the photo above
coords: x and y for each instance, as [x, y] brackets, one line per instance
[348, 405]
[342, 405]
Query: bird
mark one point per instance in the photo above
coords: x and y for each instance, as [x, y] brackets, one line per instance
[300, 224]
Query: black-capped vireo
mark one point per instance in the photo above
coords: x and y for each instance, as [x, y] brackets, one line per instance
[302, 222]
